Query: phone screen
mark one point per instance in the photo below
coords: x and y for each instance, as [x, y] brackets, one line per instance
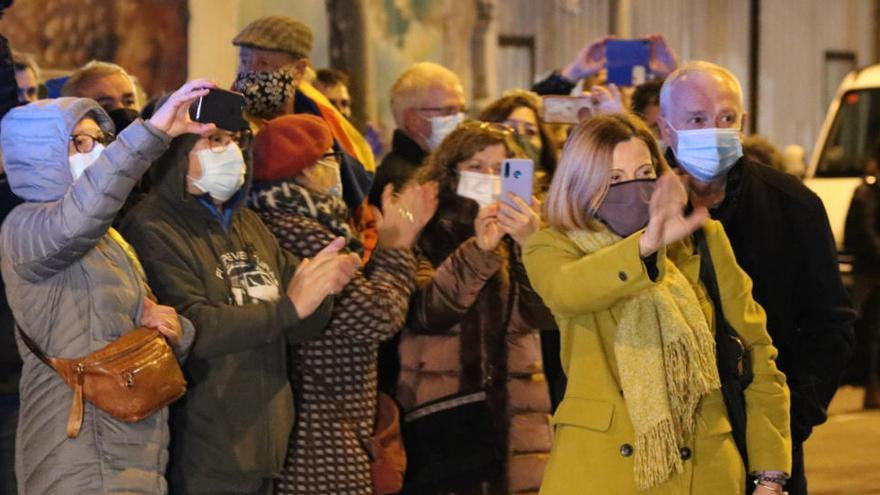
[566, 109]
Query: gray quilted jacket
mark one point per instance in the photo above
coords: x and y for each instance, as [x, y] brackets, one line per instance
[74, 290]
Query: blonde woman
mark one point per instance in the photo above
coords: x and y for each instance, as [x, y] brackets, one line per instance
[643, 411]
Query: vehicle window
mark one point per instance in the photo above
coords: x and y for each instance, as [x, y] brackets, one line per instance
[854, 137]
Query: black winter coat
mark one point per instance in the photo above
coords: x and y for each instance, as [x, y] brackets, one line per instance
[781, 237]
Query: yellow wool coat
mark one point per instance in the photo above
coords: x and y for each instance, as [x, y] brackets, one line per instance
[594, 438]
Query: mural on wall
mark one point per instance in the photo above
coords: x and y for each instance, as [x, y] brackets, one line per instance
[147, 37]
[401, 33]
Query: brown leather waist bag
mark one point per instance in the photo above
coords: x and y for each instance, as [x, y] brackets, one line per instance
[130, 378]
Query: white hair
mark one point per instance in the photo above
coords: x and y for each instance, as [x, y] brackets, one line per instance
[694, 67]
[408, 90]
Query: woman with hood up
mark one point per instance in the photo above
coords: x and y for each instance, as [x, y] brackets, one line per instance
[74, 286]
[218, 265]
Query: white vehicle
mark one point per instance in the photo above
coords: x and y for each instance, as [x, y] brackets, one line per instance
[850, 136]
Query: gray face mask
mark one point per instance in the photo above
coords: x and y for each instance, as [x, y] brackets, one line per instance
[626, 208]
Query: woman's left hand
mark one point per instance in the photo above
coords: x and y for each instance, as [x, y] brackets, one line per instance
[164, 319]
[172, 117]
[522, 221]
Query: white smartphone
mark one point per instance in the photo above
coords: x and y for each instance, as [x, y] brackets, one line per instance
[517, 177]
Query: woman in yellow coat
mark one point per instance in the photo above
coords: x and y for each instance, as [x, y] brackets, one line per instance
[643, 411]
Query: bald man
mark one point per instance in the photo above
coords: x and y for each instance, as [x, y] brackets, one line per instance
[780, 235]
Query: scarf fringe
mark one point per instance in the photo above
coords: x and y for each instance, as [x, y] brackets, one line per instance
[656, 456]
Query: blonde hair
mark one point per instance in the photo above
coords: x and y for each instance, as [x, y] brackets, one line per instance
[695, 67]
[91, 71]
[407, 90]
[24, 61]
[583, 175]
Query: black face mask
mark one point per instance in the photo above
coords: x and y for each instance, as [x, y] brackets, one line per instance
[626, 207]
[122, 118]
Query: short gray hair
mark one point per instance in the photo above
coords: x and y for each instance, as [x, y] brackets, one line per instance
[694, 67]
[415, 79]
[89, 72]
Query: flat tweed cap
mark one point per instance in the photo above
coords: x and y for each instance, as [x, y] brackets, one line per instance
[277, 33]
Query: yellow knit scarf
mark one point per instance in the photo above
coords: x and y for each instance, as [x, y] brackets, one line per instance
[666, 362]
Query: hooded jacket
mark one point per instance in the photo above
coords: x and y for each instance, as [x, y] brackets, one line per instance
[227, 273]
[74, 290]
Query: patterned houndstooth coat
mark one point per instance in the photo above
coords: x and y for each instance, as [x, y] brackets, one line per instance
[334, 376]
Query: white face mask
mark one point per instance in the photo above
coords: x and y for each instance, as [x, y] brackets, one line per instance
[482, 188]
[442, 127]
[222, 173]
[81, 161]
[708, 154]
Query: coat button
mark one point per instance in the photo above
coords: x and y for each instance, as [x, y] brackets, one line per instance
[685, 453]
[626, 450]
[622, 276]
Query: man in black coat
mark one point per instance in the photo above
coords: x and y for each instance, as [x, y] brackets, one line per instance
[780, 235]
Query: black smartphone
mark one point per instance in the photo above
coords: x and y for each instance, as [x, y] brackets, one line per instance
[220, 107]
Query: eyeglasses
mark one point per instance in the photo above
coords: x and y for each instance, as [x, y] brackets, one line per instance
[218, 141]
[525, 129]
[85, 143]
[442, 111]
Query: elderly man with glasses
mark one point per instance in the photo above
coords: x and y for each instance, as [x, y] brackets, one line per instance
[427, 102]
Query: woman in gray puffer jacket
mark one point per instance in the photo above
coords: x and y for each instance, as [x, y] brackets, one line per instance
[73, 286]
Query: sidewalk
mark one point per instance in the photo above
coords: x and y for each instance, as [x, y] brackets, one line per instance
[843, 455]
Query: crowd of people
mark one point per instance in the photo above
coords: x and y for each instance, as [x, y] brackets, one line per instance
[664, 314]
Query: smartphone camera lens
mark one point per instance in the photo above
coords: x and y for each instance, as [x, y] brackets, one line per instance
[517, 174]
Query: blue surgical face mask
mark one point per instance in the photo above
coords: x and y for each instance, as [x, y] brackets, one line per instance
[222, 173]
[442, 127]
[708, 154]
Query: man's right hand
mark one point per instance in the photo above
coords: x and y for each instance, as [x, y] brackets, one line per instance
[590, 60]
[325, 274]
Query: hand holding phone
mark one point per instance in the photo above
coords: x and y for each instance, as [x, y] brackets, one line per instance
[518, 214]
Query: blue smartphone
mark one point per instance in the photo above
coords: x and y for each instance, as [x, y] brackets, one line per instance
[517, 175]
[628, 61]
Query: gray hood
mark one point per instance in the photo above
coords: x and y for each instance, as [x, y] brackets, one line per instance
[34, 139]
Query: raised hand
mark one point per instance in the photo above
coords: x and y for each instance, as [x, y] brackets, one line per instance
[590, 60]
[325, 274]
[172, 117]
[668, 222]
[402, 218]
[164, 319]
[606, 99]
[662, 59]
[488, 232]
[522, 221]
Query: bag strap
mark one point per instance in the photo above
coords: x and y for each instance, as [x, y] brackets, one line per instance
[34, 348]
[709, 279]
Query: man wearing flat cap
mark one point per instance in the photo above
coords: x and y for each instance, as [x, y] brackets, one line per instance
[274, 53]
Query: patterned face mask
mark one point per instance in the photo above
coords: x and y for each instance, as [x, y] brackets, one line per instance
[266, 93]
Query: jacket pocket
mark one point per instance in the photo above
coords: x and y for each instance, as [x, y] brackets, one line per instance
[585, 413]
[712, 419]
